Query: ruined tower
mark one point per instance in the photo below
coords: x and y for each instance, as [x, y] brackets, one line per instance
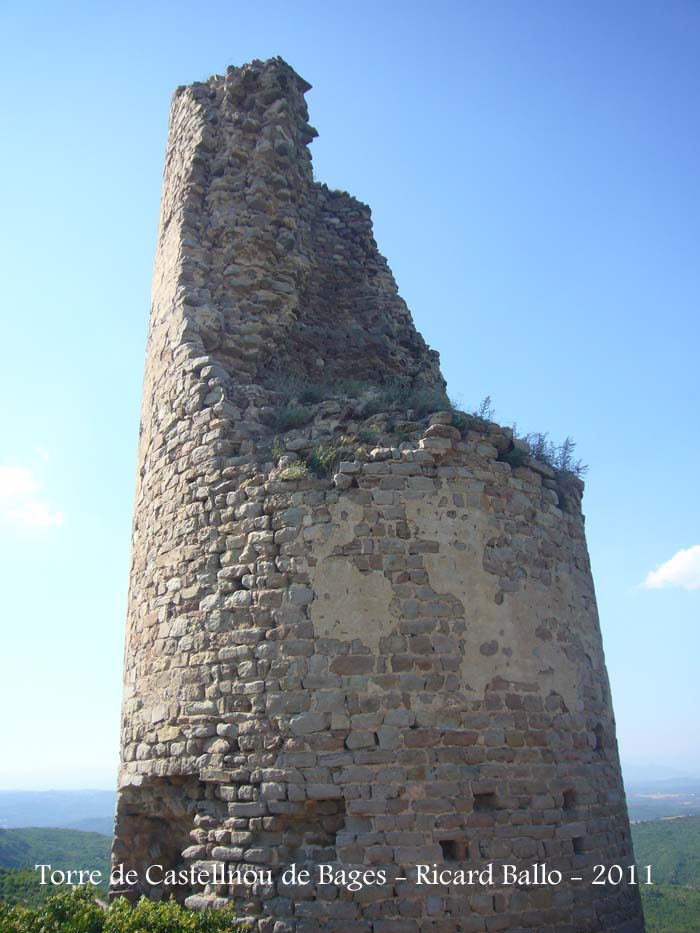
[362, 628]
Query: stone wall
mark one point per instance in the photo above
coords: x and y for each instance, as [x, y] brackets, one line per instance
[358, 633]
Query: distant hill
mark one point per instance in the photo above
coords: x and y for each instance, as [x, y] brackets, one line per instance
[89, 810]
[22, 849]
[651, 800]
[671, 847]
[61, 848]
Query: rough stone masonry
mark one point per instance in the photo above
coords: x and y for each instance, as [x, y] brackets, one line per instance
[362, 628]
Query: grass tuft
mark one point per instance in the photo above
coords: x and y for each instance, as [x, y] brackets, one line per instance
[295, 471]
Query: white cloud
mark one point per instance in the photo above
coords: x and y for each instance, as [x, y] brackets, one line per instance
[36, 514]
[15, 482]
[683, 570]
[43, 452]
[17, 487]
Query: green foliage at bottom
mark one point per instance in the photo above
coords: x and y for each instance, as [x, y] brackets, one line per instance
[670, 908]
[77, 911]
[20, 886]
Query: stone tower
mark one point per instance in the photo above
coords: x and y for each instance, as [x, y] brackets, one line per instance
[362, 629]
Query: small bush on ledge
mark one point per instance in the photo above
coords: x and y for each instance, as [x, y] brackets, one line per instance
[295, 471]
[368, 436]
[516, 457]
[559, 458]
[288, 417]
[324, 459]
[397, 394]
[422, 400]
[311, 394]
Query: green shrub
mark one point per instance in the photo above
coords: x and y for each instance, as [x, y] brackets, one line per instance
[485, 411]
[516, 457]
[461, 421]
[565, 459]
[290, 416]
[19, 886]
[400, 395]
[426, 401]
[76, 911]
[560, 458]
[311, 394]
[294, 471]
[422, 400]
[166, 917]
[368, 436]
[324, 459]
[278, 449]
[351, 388]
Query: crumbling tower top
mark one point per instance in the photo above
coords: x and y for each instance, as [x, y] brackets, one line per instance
[281, 277]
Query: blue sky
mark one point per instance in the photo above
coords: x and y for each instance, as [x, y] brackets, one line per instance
[532, 171]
